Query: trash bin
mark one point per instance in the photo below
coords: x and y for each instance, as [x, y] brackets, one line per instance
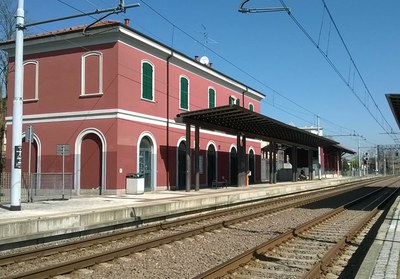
[134, 184]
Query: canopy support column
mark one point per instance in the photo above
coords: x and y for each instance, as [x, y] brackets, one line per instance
[294, 163]
[272, 163]
[241, 146]
[310, 165]
[188, 159]
[196, 157]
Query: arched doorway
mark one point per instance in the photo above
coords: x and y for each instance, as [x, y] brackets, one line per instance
[233, 166]
[211, 165]
[182, 165]
[145, 162]
[91, 163]
[33, 157]
[252, 166]
[30, 155]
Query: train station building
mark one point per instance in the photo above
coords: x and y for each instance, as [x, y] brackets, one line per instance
[124, 103]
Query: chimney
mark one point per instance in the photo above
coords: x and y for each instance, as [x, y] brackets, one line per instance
[196, 58]
[126, 21]
[210, 65]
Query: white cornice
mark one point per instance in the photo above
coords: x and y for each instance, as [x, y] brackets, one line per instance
[145, 41]
[112, 114]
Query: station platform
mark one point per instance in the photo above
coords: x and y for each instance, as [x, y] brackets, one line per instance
[383, 257]
[56, 217]
[43, 219]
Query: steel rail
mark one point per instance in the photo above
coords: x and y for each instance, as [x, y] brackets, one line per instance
[95, 240]
[97, 258]
[242, 259]
[323, 265]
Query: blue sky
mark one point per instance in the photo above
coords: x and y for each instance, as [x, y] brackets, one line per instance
[269, 52]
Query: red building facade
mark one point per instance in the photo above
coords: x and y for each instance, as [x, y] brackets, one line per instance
[112, 97]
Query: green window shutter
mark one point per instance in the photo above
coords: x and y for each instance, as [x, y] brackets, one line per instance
[147, 85]
[231, 100]
[211, 98]
[184, 93]
[238, 102]
[251, 107]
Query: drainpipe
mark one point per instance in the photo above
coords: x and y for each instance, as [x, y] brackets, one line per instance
[247, 90]
[167, 135]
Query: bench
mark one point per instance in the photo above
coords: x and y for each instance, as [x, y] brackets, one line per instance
[221, 183]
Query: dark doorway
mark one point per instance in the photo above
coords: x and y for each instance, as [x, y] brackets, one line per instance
[211, 165]
[91, 162]
[182, 166]
[251, 166]
[233, 166]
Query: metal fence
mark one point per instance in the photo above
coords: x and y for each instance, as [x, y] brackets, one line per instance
[37, 187]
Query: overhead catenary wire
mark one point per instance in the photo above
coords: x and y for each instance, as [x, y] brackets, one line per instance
[175, 27]
[234, 65]
[334, 67]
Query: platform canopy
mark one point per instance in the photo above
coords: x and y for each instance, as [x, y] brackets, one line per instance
[233, 119]
[334, 149]
[394, 103]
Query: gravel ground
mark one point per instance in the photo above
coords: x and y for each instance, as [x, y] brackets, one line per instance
[192, 256]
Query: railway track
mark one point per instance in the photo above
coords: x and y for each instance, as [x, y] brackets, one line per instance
[309, 250]
[112, 252]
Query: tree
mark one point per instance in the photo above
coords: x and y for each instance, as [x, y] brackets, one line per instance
[7, 32]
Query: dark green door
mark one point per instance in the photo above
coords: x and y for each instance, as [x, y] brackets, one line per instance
[233, 166]
[211, 165]
[145, 166]
[252, 166]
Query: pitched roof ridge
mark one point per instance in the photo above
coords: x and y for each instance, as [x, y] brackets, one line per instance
[66, 30]
[72, 28]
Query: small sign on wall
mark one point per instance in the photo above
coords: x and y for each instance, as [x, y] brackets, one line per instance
[17, 157]
[29, 134]
[63, 149]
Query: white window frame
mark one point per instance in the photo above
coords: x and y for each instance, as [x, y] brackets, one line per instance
[83, 73]
[36, 63]
[188, 97]
[234, 99]
[215, 96]
[251, 104]
[152, 81]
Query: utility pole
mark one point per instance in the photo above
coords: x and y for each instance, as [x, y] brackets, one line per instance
[319, 153]
[376, 161]
[16, 159]
[359, 158]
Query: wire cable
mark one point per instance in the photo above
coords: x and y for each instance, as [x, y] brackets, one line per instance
[333, 66]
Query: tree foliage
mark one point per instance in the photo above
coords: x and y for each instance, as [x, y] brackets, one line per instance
[7, 32]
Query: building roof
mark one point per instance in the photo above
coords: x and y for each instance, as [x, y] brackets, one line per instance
[77, 28]
[233, 119]
[103, 29]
